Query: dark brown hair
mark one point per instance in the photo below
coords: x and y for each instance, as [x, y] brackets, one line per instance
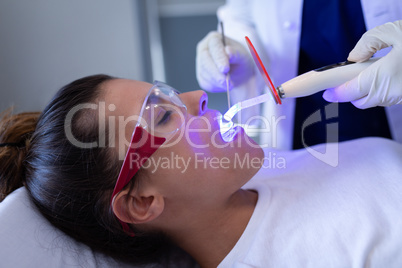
[70, 185]
[15, 131]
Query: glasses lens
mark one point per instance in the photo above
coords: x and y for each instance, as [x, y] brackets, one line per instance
[164, 112]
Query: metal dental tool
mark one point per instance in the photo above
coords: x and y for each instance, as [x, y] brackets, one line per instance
[227, 75]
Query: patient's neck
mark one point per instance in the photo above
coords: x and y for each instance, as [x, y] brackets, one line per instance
[217, 231]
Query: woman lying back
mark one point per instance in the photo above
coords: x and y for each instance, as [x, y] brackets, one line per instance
[132, 169]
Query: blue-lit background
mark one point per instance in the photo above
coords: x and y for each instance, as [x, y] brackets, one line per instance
[46, 44]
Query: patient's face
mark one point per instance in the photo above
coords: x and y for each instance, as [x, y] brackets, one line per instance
[196, 163]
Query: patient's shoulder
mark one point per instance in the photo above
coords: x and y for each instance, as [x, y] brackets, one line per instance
[365, 154]
[375, 145]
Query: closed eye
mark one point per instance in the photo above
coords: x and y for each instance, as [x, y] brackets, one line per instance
[165, 118]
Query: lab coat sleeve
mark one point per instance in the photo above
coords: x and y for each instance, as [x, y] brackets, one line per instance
[237, 17]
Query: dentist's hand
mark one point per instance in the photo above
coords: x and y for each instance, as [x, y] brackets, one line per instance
[214, 61]
[381, 83]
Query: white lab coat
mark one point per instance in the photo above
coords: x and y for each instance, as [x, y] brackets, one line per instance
[274, 27]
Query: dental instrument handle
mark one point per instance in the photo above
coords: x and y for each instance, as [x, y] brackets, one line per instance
[227, 89]
[322, 78]
[227, 75]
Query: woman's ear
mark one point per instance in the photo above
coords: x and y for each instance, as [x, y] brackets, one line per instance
[134, 206]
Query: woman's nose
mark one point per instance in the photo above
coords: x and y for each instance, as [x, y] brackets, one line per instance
[196, 101]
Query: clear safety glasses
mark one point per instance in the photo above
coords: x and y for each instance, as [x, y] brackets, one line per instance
[162, 115]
